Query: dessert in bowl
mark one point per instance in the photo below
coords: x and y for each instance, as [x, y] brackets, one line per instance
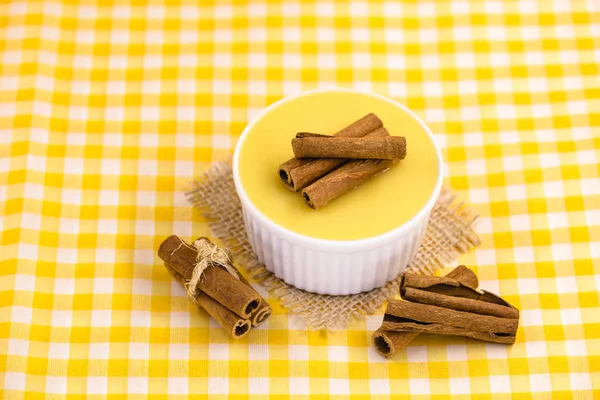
[358, 241]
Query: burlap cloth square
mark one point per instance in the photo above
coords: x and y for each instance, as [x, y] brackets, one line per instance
[450, 232]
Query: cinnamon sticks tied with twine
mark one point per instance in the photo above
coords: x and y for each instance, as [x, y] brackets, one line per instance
[325, 167]
[449, 305]
[214, 284]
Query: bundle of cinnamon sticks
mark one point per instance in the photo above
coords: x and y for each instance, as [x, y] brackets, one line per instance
[325, 167]
[449, 305]
[214, 284]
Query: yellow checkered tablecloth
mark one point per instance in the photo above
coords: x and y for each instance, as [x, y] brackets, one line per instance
[108, 109]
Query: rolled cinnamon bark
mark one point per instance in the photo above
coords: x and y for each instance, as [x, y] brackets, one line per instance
[233, 324]
[301, 135]
[285, 171]
[227, 319]
[215, 281]
[392, 324]
[388, 343]
[373, 148]
[309, 173]
[464, 275]
[414, 317]
[449, 287]
[459, 303]
[263, 311]
[342, 180]
[297, 174]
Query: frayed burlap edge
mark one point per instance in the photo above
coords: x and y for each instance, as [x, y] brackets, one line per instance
[450, 233]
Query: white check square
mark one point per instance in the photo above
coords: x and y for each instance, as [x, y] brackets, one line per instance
[571, 316]
[56, 384]
[460, 386]
[59, 351]
[21, 314]
[179, 351]
[520, 223]
[496, 351]
[325, 9]
[180, 319]
[218, 386]
[258, 352]
[97, 385]
[298, 352]
[101, 318]
[536, 349]
[581, 381]
[379, 386]
[99, 351]
[25, 282]
[457, 352]
[576, 347]
[512, 163]
[419, 386]
[540, 383]
[339, 387]
[416, 354]
[103, 285]
[28, 251]
[140, 318]
[64, 286]
[562, 252]
[500, 384]
[14, 381]
[258, 386]
[218, 351]
[527, 285]
[137, 385]
[18, 347]
[524, 255]
[299, 386]
[62, 318]
[106, 256]
[178, 386]
[566, 284]
[485, 257]
[338, 354]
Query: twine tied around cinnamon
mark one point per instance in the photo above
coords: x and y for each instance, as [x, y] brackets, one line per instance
[207, 254]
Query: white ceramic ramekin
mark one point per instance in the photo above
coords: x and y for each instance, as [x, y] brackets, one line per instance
[330, 266]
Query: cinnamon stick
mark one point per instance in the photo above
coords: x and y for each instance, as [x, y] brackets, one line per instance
[311, 172]
[342, 180]
[388, 343]
[215, 281]
[375, 148]
[233, 324]
[263, 311]
[391, 324]
[301, 135]
[297, 174]
[463, 275]
[449, 287]
[459, 303]
[345, 178]
[415, 317]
